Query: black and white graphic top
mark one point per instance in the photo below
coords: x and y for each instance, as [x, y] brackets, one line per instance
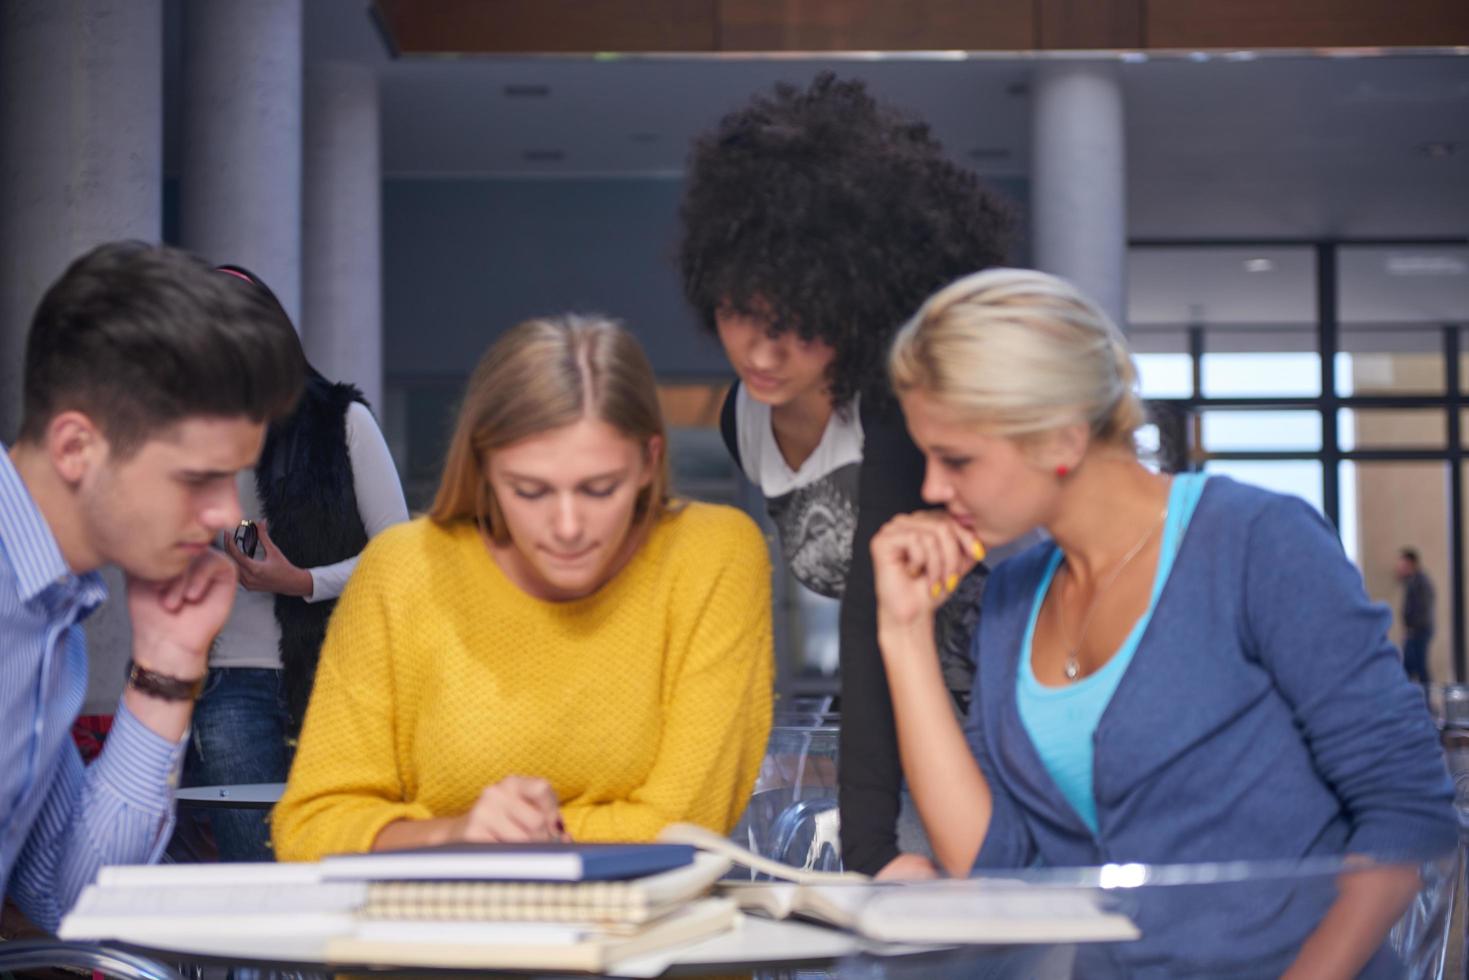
[815, 507]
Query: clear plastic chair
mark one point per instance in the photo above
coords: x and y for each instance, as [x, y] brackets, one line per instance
[21, 955]
[792, 815]
[807, 835]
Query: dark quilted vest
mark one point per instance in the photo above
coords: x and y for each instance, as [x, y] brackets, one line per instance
[304, 479]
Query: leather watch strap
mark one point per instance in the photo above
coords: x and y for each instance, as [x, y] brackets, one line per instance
[162, 686]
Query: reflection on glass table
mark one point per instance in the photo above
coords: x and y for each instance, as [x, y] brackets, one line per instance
[1243, 919]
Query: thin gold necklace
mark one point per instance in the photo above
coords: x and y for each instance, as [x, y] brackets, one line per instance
[1073, 665]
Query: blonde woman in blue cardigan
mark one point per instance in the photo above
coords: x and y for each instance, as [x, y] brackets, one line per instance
[1188, 671]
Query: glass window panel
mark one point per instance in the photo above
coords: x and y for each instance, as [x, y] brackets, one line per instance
[1397, 505]
[1464, 360]
[1391, 428]
[1227, 430]
[1149, 444]
[418, 420]
[1221, 285]
[1389, 361]
[1260, 362]
[1299, 477]
[1403, 284]
[1165, 375]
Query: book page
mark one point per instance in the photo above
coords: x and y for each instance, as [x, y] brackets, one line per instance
[707, 840]
[977, 912]
[230, 901]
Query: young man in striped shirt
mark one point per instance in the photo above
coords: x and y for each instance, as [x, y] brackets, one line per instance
[148, 382]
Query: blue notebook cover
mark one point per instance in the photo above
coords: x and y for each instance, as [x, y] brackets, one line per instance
[510, 862]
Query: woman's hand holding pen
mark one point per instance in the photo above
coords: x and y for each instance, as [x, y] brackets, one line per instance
[516, 809]
[917, 562]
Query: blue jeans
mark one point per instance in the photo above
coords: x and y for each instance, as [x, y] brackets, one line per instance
[1415, 655]
[239, 736]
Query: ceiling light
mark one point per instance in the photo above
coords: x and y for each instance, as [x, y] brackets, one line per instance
[1259, 265]
[1426, 265]
[1438, 150]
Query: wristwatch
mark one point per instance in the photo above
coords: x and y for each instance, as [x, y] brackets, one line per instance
[162, 686]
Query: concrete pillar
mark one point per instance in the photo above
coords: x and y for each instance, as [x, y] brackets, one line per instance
[342, 321]
[81, 149]
[1079, 179]
[240, 180]
[81, 163]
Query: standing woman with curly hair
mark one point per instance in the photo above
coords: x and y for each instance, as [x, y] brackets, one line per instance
[815, 223]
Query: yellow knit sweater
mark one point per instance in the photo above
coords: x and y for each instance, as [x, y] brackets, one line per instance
[645, 703]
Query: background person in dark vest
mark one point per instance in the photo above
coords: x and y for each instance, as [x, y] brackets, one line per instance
[323, 485]
[1417, 614]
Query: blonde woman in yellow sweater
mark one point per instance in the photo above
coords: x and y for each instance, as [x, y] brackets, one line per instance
[557, 649]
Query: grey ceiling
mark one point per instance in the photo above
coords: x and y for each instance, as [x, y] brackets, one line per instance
[1299, 147]
[1219, 147]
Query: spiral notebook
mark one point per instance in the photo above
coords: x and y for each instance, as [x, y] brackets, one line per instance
[632, 901]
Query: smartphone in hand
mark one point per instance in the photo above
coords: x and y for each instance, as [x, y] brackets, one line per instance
[247, 538]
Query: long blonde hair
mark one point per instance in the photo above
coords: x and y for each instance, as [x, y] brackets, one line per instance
[541, 375]
[1021, 353]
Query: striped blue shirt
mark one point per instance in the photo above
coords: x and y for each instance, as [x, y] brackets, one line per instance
[59, 820]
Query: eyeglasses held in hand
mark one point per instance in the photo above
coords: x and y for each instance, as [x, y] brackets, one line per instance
[247, 538]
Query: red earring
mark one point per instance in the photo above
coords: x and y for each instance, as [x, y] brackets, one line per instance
[1061, 471]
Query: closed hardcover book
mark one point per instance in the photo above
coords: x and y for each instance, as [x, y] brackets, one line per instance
[509, 862]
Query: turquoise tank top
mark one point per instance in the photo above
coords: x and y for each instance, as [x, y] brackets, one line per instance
[1062, 720]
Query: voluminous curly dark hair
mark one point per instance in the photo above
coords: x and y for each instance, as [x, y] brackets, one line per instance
[833, 216]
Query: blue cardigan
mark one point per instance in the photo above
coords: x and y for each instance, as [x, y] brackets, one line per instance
[1264, 716]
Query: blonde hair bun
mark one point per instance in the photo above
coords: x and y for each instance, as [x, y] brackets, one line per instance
[1020, 352]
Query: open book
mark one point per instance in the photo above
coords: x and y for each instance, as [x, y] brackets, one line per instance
[977, 911]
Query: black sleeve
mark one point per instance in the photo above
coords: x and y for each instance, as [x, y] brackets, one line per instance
[890, 482]
[727, 427]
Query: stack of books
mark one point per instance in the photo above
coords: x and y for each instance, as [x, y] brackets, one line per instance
[562, 907]
[502, 906]
[565, 907]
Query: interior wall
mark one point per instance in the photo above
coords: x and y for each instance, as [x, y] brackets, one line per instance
[464, 259]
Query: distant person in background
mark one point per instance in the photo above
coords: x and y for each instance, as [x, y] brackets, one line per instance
[325, 483]
[815, 222]
[558, 649]
[1417, 614]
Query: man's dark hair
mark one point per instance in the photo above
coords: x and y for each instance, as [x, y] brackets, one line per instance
[833, 216]
[139, 337]
[1411, 554]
